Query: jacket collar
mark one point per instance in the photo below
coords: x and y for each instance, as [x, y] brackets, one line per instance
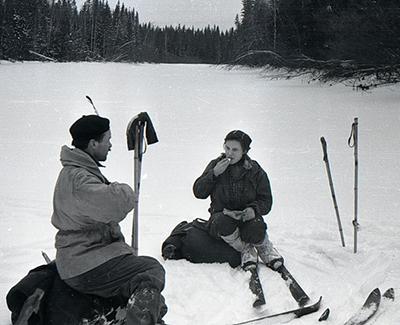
[79, 158]
[245, 162]
[241, 168]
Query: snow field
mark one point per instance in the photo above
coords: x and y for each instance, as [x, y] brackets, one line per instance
[192, 108]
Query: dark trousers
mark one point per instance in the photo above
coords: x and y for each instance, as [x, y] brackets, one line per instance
[252, 231]
[121, 276]
[126, 276]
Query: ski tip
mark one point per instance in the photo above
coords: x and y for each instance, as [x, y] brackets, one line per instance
[389, 294]
[374, 294]
[373, 298]
[303, 301]
[368, 309]
[324, 315]
[258, 303]
[317, 305]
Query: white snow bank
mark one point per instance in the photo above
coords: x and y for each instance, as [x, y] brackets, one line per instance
[192, 108]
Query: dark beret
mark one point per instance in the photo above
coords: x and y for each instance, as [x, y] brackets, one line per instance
[89, 127]
[241, 137]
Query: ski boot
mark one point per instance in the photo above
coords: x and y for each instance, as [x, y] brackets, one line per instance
[269, 255]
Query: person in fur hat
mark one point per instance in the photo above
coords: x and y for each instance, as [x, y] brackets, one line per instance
[240, 195]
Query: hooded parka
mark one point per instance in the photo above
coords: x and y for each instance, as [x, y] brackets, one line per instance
[87, 210]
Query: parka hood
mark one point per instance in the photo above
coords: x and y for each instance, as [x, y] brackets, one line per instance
[79, 158]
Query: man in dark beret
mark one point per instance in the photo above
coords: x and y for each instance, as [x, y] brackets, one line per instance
[92, 255]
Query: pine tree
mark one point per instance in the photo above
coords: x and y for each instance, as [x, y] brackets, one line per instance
[247, 26]
[17, 33]
[1, 27]
[40, 27]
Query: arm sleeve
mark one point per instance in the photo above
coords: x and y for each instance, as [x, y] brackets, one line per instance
[104, 202]
[263, 202]
[204, 185]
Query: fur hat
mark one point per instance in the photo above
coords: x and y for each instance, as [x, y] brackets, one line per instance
[241, 137]
[89, 127]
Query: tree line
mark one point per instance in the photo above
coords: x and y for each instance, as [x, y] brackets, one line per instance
[95, 32]
[334, 38]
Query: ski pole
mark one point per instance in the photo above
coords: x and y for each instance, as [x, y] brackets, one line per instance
[137, 174]
[328, 170]
[354, 137]
[140, 129]
[46, 257]
[91, 102]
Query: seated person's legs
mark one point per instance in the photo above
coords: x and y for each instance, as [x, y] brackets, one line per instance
[139, 279]
[255, 232]
[229, 230]
[221, 225]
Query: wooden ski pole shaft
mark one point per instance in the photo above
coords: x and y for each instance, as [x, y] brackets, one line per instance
[355, 222]
[328, 170]
[354, 137]
[137, 173]
[138, 127]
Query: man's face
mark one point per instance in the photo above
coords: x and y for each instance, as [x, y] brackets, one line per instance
[102, 147]
[233, 150]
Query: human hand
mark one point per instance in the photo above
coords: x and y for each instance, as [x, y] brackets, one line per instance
[248, 214]
[237, 215]
[221, 166]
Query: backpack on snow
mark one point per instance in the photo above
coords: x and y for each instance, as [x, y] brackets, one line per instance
[57, 303]
[191, 241]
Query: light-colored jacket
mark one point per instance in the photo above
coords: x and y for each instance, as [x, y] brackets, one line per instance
[86, 211]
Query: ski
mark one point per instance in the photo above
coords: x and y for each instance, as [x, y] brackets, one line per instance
[30, 306]
[288, 315]
[385, 305]
[296, 291]
[389, 294]
[368, 310]
[256, 287]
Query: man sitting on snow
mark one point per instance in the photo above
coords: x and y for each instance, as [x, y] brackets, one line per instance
[92, 256]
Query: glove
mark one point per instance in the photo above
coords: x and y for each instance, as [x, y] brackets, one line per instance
[237, 215]
[248, 214]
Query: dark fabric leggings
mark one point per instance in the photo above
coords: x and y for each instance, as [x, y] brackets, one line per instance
[252, 231]
[121, 276]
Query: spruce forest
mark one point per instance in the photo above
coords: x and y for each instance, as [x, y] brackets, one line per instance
[337, 40]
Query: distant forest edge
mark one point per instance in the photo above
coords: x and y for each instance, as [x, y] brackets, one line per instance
[335, 40]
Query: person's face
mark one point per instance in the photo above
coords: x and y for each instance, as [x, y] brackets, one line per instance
[101, 148]
[233, 150]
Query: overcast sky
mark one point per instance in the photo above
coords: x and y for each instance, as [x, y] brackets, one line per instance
[197, 13]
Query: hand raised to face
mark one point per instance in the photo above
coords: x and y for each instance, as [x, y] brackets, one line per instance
[221, 166]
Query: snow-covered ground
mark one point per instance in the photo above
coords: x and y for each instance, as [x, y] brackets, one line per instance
[192, 108]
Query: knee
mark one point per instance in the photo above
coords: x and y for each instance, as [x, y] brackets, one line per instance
[155, 267]
[222, 225]
[152, 275]
[253, 231]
